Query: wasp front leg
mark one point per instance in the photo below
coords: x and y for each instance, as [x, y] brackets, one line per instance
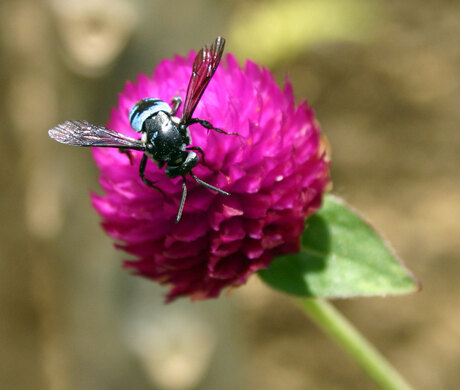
[176, 102]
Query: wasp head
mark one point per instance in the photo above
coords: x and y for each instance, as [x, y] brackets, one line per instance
[145, 109]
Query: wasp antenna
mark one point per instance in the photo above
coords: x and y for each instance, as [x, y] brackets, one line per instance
[204, 184]
[182, 201]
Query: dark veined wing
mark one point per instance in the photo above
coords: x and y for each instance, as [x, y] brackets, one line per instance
[83, 133]
[205, 64]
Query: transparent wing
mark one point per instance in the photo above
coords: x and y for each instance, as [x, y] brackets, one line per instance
[205, 64]
[83, 133]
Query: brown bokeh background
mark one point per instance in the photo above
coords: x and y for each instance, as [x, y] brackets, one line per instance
[384, 79]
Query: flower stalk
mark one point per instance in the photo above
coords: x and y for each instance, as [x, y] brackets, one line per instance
[333, 323]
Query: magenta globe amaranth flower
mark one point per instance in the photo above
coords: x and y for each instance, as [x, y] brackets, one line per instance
[276, 170]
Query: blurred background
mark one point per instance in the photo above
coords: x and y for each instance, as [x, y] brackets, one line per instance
[384, 80]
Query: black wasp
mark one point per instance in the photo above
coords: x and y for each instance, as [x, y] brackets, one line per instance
[165, 138]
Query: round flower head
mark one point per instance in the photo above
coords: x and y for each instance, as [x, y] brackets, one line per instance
[275, 169]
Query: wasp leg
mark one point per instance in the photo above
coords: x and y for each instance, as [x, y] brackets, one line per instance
[176, 102]
[128, 154]
[182, 200]
[204, 184]
[147, 182]
[199, 150]
[208, 126]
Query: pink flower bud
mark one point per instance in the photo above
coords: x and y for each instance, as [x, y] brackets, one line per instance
[276, 170]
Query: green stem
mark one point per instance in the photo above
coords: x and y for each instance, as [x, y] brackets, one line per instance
[331, 321]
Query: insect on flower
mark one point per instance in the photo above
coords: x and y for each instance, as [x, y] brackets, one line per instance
[165, 138]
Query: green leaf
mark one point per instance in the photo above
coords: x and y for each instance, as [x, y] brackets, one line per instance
[341, 256]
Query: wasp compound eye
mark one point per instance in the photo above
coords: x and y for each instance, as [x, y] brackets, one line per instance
[145, 109]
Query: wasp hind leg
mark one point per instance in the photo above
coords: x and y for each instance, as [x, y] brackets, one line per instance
[182, 200]
[199, 150]
[184, 193]
[209, 186]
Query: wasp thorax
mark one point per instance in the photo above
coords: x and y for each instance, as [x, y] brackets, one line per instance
[169, 143]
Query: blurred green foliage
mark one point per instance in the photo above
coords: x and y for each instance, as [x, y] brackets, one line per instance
[270, 31]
